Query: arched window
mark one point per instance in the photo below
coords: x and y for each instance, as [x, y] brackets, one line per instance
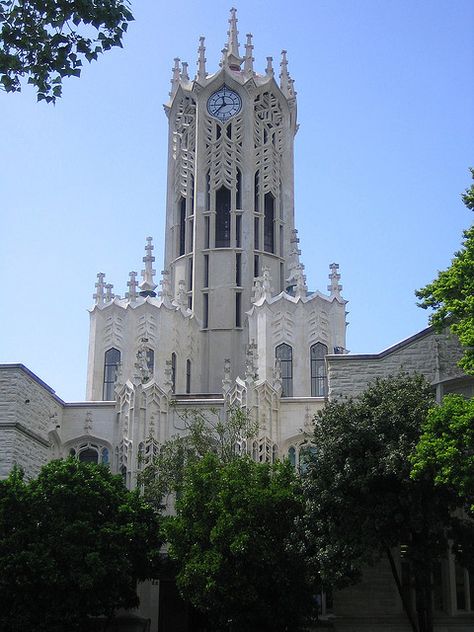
[111, 365]
[150, 360]
[318, 354]
[188, 376]
[268, 223]
[173, 372]
[90, 453]
[238, 192]
[284, 353]
[223, 218]
[292, 456]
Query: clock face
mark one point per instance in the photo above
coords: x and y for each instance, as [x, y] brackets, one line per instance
[224, 103]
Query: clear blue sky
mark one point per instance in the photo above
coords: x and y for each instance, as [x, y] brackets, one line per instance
[386, 113]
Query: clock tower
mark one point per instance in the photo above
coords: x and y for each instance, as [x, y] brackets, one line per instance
[230, 212]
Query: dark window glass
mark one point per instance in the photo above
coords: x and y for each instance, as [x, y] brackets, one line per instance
[150, 360]
[256, 192]
[318, 354]
[191, 192]
[206, 270]
[238, 193]
[173, 372]
[111, 365]
[284, 353]
[238, 311]
[256, 266]
[268, 223]
[238, 269]
[223, 218]
[292, 456]
[238, 231]
[205, 310]
[281, 241]
[256, 233]
[229, 130]
[207, 231]
[191, 235]
[188, 376]
[190, 274]
[89, 456]
[182, 226]
[208, 192]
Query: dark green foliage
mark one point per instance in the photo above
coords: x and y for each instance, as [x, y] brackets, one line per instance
[446, 448]
[232, 542]
[362, 502]
[47, 40]
[451, 294]
[73, 543]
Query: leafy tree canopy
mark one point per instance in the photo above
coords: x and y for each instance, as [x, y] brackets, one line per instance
[47, 40]
[446, 447]
[361, 500]
[204, 432]
[451, 294]
[73, 544]
[232, 542]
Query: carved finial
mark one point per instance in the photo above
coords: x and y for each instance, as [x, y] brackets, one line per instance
[165, 292]
[201, 62]
[269, 69]
[223, 62]
[266, 283]
[175, 77]
[234, 60]
[248, 59]
[301, 289]
[284, 76]
[334, 287]
[181, 300]
[88, 422]
[292, 88]
[109, 295]
[132, 285]
[99, 295]
[226, 381]
[251, 357]
[184, 71]
[257, 289]
[148, 285]
[277, 381]
[293, 261]
[142, 368]
[168, 377]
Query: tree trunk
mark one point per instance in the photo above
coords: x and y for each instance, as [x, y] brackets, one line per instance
[406, 605]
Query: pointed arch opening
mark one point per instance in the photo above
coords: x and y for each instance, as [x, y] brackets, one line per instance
[111, 366]
[318, 355]
[284, 354]
[223, 218]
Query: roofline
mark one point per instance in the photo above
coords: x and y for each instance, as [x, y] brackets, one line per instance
[377, 356]
[38, 380]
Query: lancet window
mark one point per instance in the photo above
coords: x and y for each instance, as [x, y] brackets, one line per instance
[223, 218]
[318, 354]
[284, 353]
[300, 456]
[111, 365]
[268, 223]
[173, 372]
[188, 376]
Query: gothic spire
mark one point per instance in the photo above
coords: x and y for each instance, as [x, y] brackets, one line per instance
[248, 59]
[234, 59]
[175, 77]
[132, 284]
[269, 69]
[99, 294]
[284, 76]
[201, 62]
[184, 71]
[148, 285]
[334, 277]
